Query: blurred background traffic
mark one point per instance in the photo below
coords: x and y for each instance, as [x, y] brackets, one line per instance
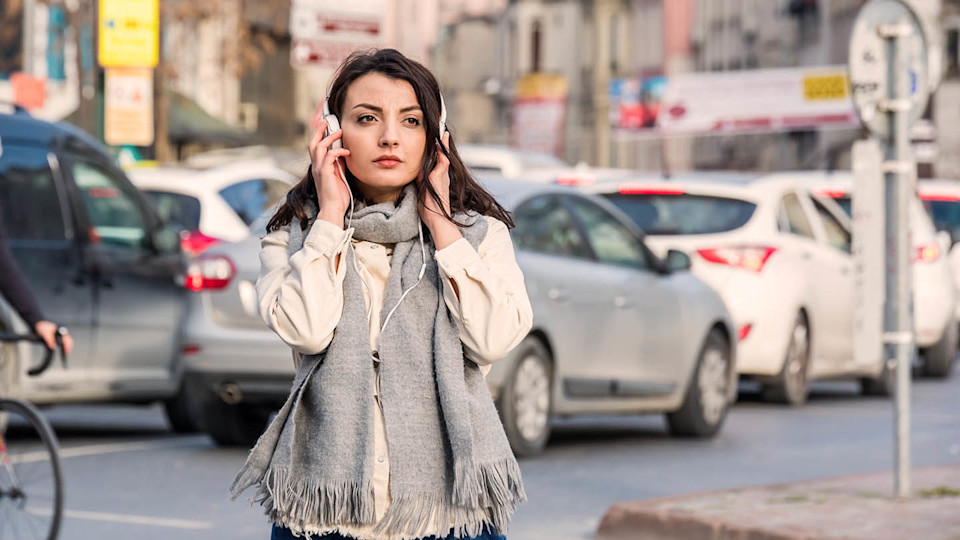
[679, 173]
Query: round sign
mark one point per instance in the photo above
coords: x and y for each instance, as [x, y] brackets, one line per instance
[869, 62]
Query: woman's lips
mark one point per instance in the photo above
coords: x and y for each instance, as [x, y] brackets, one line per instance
[388, 163]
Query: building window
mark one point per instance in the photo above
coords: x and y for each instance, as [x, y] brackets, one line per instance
[536, 37]
[952, 70]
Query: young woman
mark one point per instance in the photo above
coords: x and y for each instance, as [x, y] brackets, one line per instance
[391, 272]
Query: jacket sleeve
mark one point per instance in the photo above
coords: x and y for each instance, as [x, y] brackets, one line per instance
[14, 287]
[301, 295]
[490, 303]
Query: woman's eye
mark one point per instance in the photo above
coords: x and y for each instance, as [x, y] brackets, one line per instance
[413, 121]
[366, 118]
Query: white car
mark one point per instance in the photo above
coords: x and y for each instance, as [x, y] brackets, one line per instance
[506, 162]
[211, 205]
[779, 258]
[941, 198]
[935, 305]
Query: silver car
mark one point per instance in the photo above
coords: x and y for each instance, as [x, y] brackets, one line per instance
[616, 330]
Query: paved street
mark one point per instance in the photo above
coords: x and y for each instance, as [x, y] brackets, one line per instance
[128, 477]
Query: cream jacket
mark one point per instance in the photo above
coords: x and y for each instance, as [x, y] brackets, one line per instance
[301, 299]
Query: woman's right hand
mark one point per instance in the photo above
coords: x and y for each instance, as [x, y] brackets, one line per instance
[333, 197]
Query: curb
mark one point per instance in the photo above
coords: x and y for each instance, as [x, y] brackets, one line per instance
[624, 521]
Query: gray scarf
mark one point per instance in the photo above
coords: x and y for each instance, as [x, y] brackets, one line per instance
[449, 457]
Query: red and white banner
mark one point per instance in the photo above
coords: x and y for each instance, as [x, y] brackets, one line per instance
[324, 32]
[757, 101]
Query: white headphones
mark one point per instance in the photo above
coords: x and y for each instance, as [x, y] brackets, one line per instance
[333, 126]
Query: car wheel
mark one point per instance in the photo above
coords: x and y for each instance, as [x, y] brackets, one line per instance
[938, 360]
[707, 400]
[883, 385]
[233, 425]
[180, 413]
[525, 402]
[792, 386]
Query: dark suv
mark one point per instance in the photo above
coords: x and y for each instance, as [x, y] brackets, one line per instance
[100, 261]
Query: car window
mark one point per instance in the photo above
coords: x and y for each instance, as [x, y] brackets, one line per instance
[793, 218]
[544, 225]
[658, 214]
[837, 236]
[115, 215]
[29, 199]
[611, 240]
[251, 197]
[179, 211]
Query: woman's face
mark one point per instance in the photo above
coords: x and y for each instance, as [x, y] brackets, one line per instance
[383, 128]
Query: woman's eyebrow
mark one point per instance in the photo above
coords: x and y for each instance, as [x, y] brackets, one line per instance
[378, 110]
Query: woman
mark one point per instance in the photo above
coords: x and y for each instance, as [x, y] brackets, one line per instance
[392, 273]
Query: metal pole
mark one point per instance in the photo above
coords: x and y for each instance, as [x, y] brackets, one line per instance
[898, 313]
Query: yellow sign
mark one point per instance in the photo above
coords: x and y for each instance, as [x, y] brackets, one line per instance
[128, 106]
[129, 33]
[542, 85]
[818, 87]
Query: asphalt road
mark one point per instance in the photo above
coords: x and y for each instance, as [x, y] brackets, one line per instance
[127, 476]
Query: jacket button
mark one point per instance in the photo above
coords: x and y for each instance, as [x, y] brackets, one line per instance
[381, 459]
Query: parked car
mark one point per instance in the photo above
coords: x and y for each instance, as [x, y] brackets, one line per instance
[935, 298]
[216, 204]
[616, 330]
[941, 199]
[506, 162]
[99, 259]
[779, 257]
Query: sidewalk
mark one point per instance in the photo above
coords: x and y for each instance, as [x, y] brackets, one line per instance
[852, 508]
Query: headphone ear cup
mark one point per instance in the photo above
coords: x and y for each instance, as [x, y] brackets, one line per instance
[333, 126]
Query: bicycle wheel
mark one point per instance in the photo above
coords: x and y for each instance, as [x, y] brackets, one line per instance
[31, 480]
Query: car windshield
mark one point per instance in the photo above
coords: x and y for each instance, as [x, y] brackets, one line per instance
[660, 214]
[182, 212]
[845, 202]
[945, 214]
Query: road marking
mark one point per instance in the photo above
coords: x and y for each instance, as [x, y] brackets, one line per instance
[127, 518]
[96, 449]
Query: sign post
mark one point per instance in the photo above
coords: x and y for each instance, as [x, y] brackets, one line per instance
[891, 80]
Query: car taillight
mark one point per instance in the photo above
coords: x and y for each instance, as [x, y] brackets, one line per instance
[927, 253]
[195, 242]
[832, 193]
[582, 179]
[752, 258]
[744, 331]
[939, 197]
[209, 272]
[646, 189]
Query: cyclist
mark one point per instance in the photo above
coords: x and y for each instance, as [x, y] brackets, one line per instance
[14, 288]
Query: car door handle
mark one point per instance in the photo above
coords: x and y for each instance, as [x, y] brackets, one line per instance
[556, 295]
[621, 302]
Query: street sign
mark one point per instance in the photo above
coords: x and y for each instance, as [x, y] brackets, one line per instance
[129, 33]
[324, 32]
[868, 62]
[128, 106]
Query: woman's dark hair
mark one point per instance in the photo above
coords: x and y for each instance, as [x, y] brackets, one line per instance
[465, 193]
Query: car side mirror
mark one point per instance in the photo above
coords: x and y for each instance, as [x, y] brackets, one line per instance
[678, 261]
[165, 239]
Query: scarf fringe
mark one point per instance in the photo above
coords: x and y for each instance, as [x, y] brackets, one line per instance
[490, 493]
[299, 502]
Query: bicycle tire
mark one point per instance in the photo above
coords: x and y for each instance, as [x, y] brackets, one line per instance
[31, 421]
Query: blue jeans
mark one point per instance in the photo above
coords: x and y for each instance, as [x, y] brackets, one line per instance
[283, 533]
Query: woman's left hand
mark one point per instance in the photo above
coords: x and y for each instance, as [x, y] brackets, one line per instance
[430, 211]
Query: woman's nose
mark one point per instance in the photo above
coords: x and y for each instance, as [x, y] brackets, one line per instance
[389, 136]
